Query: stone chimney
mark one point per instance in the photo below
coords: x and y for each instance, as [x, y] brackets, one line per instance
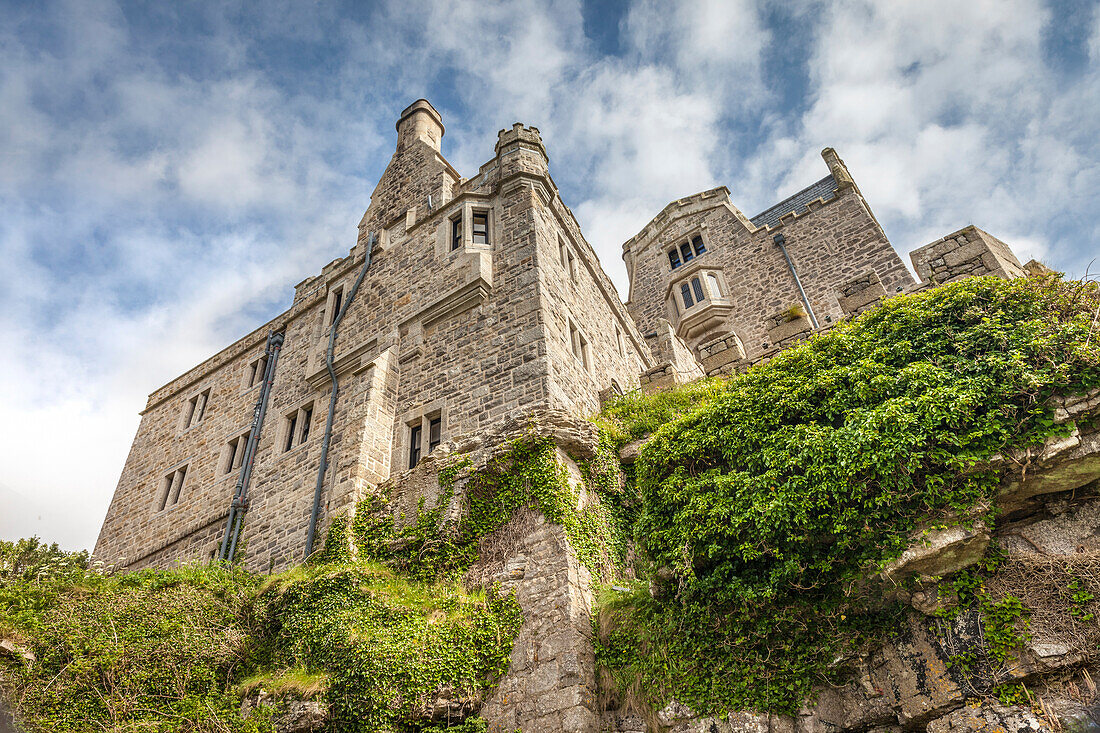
[420, 121]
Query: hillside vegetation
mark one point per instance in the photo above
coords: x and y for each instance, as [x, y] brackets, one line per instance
[768, 502]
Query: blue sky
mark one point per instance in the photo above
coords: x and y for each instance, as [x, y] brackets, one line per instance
[168, 171]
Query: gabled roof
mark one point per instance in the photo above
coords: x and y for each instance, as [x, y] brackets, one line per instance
[825, 189]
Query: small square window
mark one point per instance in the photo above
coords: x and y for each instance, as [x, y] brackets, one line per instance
[697, 245]
[456, 233]
[673, 258]
[481, 227]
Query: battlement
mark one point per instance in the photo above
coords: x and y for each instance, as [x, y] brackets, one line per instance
[520, 136]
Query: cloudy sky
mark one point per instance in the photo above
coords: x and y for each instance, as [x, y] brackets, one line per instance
[168, 171]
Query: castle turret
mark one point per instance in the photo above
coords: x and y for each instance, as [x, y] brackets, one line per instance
[520, 150]
[420, 121]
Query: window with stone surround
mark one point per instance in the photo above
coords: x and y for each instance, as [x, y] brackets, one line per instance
[233, 455]
[296, 427]
[416, 436]
[425, 435]
[578, 344]
[335, 300]
[480, 227]
[195, 409]
[619, 340]
[686, 252]
[170, 488]
[254, 375]
[456, 232]
[712, 285]
[688, 290]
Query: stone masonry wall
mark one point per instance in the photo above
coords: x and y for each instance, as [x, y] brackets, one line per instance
[968, 252]
[831, 242]
[472, 335]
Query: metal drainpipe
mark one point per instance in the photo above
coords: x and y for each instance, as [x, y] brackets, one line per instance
[779, 239]
[332, 399]
[240, 494]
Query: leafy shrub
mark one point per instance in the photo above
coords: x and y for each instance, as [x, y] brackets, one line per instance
[150, 651]
[32, 574]
[764, 508]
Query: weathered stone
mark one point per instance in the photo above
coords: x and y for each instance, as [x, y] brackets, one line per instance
[940, 551]
[987, 717]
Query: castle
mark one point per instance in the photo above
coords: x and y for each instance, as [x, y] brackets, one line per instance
[469, 302]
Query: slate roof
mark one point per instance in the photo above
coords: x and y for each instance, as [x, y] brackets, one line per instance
[824, 189]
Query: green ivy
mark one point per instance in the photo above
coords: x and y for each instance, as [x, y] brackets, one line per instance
[526, 474]
[764, 511]
[385, 645]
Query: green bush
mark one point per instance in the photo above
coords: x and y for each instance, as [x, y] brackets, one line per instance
[385, 645]
[768, 507]
[149, 651]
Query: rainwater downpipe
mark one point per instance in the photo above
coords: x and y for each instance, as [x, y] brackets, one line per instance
[779, 240]
[239, 505]
[310, 534]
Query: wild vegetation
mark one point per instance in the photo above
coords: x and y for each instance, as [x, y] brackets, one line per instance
[175, 650]
[765, 510]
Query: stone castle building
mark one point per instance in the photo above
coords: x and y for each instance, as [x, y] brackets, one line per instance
[470, 302]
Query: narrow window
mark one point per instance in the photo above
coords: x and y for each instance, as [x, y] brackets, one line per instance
[177, 485]
[256, 371]
[582, 345]
[572, 266]
[297, 427]
[435, 433]
[166, 491]
[235, 453]
[685, 291]
[195, 409]
[456, 233]
[697, 243]
[685, 251]
[481, 227]
[291, 424]
[171, 488]
[697, 288]
[561, 251]
[337, 301]
[674, 258]
[415, 432]
[712, 284]
[619, 340]
[307, 418]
